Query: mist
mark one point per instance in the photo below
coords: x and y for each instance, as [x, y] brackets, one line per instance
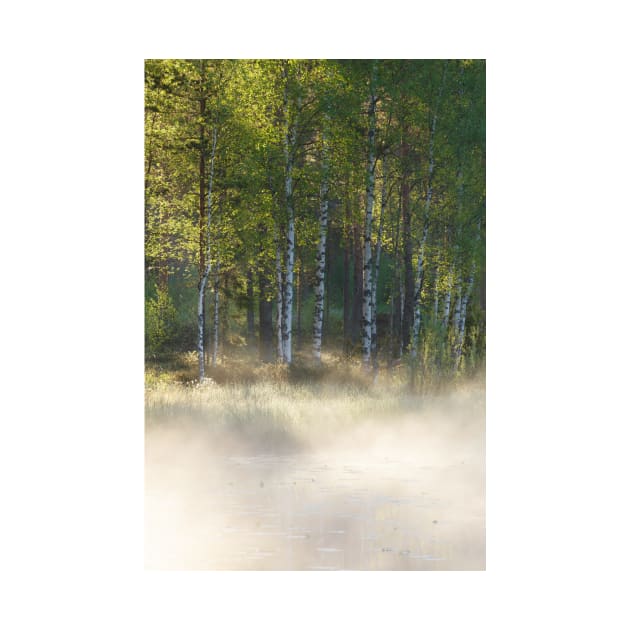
[257, 479]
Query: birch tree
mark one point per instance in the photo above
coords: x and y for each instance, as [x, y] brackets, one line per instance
[377, 261]
[265, 307]
[215, 318]
[447, 300]
[208, 268]
[289, 145]
[246, 163]
[367, 251]
[320, 259]
[417, 311]
[460, 328]
[280, 302]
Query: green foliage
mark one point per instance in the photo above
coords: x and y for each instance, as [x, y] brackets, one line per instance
[160, 322]
[250, 103]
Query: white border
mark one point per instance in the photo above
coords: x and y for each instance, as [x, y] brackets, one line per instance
[72, 269]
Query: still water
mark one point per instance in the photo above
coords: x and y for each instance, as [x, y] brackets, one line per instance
[409, 499]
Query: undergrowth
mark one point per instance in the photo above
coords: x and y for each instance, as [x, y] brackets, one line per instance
[277, 404]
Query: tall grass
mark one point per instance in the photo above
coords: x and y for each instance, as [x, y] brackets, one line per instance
[276, 406]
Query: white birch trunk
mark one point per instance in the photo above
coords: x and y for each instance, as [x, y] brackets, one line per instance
[280, 302]
[447, 303]
[367, 252]
[417, 310]
[457, 310]
[215, 324]
[436, 296]
[377, 263]
[290, 137]
[288, 292]
[417, 303]
[206, 273]
[461, 328]
[320, 259]
[200, 321]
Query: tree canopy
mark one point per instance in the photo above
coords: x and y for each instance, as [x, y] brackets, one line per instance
[294, 206]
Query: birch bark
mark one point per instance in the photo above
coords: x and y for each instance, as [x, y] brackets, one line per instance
[447, 302]
[204, 279]
[377, 262]
[461, 328]
[457, 311]
[215, 323]
[288, 281]
[417, 311]
[436, 293]
[320, 258]
[347, 295]
[289, 138]
[367, 256]
[279, 301]
[394, 300]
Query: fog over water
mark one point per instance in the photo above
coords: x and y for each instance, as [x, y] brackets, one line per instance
[405, 492]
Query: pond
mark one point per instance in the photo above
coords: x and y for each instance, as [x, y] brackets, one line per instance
[412, 497]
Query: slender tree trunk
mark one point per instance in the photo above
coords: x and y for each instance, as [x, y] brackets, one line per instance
[452, 340]
[203, 244]
[215, 324]
[481, 334]
[290, 137]
[298, 292]
[367, 256]
[457, 309]
[401, 319]
[200, 325]
[461, 328]
[265, 318]
[458, 280]
[251, 334]
[347, 295]
[394, 295]
[288, 292]
[279, 301]
[459, 323]
[417, 302]
[407, 318]
[204, 278]
[327, 292]
[392, 309]
[447, 302]
[417, 298]
[203, 240]
[436, 292]
[377, 265]
[320, 258]
[358, 285]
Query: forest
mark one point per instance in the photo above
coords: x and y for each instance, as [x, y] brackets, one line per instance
[315, 314]
[315, 212]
